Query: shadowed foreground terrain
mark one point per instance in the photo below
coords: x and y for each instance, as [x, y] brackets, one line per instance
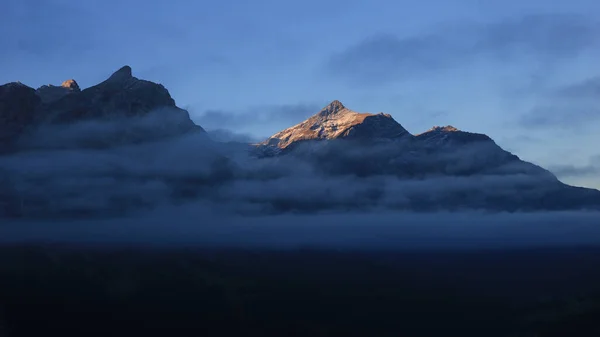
[82, 291]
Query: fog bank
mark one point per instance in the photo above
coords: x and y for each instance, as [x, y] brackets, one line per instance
[206, 226]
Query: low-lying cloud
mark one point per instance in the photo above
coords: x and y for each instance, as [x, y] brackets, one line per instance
[62, 172]
[188, 190]
[199, 225]
[590, 170]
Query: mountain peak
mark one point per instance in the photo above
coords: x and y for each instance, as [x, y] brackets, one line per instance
[123, 74]
[333, 107]
[335, 121]
[447, 128]
[71, 84]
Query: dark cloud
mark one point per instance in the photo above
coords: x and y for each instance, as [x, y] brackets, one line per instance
[274, 115]
[590, 170]
[571, 106]
[384, 58]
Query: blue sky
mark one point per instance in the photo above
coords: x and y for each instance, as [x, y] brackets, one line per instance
[524, 72]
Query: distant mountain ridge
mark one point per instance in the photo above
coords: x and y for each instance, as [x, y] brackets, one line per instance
[336, 159]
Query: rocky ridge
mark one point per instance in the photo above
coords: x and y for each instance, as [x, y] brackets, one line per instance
[121, 99]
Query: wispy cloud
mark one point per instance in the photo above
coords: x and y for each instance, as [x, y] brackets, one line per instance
[264, 117]
[547, 38]
[592, 169]
[570, 106]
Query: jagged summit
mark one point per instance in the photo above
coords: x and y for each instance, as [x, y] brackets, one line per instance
[335, 121]
[123, 74]
[332, 108]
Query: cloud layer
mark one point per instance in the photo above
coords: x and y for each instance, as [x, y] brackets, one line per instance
[191, 191]
[589, 170]
[63, 172]
[198, 225]
[545, 38]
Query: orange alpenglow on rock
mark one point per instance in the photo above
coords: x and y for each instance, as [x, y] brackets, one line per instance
[335, 121]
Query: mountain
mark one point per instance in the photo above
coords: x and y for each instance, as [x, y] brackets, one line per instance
[116, 147]
[122, 109]
[340, 142]
[377, 140]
